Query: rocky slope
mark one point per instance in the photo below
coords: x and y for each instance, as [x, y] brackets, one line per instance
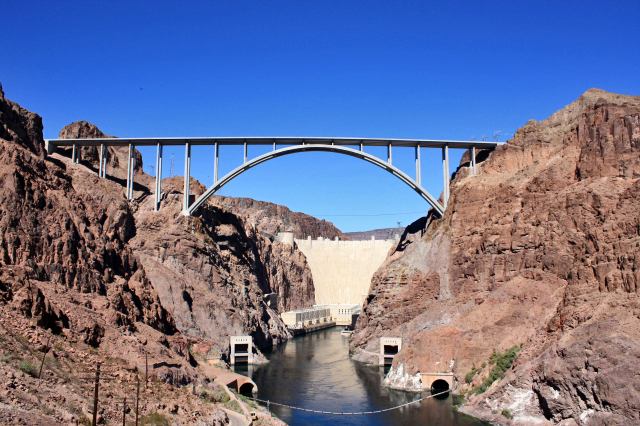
[541, 249]
[272, 218]
[105, 280]
[379, 234]
[211, 270]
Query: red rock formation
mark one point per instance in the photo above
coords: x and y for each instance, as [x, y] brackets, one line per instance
[116, 156]
[541, 248]
[73, 258]
[272, 218]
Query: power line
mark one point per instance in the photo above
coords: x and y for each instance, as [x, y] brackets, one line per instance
[376, 214]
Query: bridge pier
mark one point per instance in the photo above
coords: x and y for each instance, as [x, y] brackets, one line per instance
[187, 179]
[158, 177]
[418, 171]
[473, 159]
[445, 175]
[215, 162]
[130, 172]
[102, 170]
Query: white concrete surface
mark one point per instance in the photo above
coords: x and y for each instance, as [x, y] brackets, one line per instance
[342, 270]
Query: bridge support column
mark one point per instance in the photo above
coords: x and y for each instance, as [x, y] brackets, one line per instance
[389, 154]
[158, 177]
[473, 159]
[74, 152]
[245, 152]
[418, 172]
[445, 174]
[361, 146]
[187, 179]
[215, 162]
[130, 172]
[103, 162]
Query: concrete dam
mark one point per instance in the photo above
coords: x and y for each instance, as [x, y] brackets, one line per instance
[342, 270]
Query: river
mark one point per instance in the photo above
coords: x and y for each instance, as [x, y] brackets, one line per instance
[315, 372]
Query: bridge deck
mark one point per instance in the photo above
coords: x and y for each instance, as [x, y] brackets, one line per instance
[269, 140]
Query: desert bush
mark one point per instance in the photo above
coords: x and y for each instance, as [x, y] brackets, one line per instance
[28, 368]
[503, 362]
[506, 413]
[220, 396]
[154, 419]
[233, 405]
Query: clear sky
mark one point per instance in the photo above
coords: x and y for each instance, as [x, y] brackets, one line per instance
[399, 69]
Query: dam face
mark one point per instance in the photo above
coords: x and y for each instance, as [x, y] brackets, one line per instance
[342, 270]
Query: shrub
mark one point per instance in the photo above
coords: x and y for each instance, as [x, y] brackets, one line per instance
[28, 368]
[233, 405]
[506, 413]
[154, 419]
[84, 420]
[484, 364]
[247, 401]
[468, 378]
[220, 396]
[503, 362]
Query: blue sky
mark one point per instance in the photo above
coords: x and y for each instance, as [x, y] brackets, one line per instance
[440, 70]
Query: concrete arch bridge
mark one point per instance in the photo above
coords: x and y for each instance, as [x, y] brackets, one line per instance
[353, 147]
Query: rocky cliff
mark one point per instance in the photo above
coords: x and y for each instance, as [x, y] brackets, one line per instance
[540, 251]
[272, 218]
[211, 270]
[89, 277]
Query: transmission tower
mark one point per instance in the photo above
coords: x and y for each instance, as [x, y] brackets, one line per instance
[171, 166]
[484, 138]
[495, 136]
[152, 169]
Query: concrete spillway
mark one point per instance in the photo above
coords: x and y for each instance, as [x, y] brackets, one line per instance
[342, 270]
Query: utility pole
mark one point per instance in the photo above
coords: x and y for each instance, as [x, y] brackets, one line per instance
[46, 349]
[124, 411]
[137, 398]
[146, 368]
[95, 396]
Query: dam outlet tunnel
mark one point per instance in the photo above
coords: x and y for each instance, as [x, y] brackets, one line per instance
[439, 386]
[246, 389]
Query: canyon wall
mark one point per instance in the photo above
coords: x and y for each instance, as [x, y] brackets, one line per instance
[272, 218]
[212, 270]
[540, 249]
[91, 277]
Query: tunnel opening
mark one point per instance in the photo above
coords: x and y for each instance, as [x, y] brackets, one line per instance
[242, 349]
[246, 389]
[390, 350]
[439, 386]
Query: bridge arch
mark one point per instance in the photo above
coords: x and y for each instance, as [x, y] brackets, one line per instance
[310, 148]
